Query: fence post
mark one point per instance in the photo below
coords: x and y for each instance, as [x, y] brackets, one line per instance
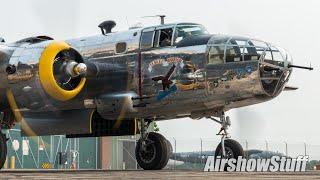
[38, 152]
[96, 152]
[22, 155]
[286, 148]
[201, 151]
[246, 149]
[51, 151]
[267, 145]
[135, 145]
[61, 151]
[175, 153]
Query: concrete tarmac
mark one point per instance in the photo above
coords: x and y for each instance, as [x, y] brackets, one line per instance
[140, 174]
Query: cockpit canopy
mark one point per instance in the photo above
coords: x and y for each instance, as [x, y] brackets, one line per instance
[169, 34]
[186, 31]
[226, 49]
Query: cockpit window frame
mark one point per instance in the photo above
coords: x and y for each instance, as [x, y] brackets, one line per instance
[173, 27]
[166, 26]
[184, 25]
[148, 30]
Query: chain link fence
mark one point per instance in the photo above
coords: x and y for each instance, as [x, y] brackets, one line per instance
[84, 153]
[50, 152]
[192, 153]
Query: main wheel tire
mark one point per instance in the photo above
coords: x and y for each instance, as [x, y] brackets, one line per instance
[233, 150]
[3, 149]
[156, 153]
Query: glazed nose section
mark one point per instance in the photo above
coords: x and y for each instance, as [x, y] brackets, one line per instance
[276, 58]
[275, 69]
[273, 63]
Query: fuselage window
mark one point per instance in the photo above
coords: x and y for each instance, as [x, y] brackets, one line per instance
[146, 40]
[121, 47]
[216, 55]
[233, 52]
[256, 49]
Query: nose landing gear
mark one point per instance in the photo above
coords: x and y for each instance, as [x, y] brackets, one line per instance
[227, 148]
[3, 149]
[152, 150]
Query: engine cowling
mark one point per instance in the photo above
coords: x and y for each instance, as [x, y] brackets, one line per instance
[49, 68]
[59, 68]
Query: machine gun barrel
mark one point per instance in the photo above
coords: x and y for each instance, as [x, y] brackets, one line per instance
[301, 67]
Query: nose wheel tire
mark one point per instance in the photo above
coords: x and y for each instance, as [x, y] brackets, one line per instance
[233, 149]
[3, 149]
[154, 154]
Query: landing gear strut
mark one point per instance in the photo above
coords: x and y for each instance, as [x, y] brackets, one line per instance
[152, 150]
[228, 148]
[3, 149]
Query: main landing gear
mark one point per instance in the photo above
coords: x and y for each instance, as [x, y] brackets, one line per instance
[3, 149]
[152, 150]
[228, 148]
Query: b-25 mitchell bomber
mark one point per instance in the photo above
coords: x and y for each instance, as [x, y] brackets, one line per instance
[117, 83]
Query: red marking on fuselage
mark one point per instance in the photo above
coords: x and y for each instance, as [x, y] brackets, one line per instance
[139, 75]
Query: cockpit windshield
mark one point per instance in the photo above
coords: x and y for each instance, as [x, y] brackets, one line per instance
[185, 31]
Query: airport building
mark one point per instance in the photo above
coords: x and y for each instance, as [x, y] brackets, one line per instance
[59, 152]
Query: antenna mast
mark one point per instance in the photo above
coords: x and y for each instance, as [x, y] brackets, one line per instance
[161, 18]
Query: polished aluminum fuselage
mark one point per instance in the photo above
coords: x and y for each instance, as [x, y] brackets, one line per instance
[126, 89]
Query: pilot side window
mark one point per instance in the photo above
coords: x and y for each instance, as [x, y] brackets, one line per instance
[163, 37]
[146, 40]
[186, 31]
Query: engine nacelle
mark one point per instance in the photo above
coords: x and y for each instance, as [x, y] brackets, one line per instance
[106, 127]
[48, 68]
[53, 63]
[75, 123]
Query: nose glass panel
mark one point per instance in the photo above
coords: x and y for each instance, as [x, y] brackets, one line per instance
[273, 70]
[272, 59]
[230, 49]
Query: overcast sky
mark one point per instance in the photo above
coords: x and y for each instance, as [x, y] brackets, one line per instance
[291, 24]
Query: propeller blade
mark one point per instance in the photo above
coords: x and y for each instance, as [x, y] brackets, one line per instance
[17, 114]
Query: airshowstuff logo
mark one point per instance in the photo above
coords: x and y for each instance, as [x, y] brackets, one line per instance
[275, 163]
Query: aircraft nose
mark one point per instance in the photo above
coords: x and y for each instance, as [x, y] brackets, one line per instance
[273, 62]
[275, 69]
